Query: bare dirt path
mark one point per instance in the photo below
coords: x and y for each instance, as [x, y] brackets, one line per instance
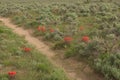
[73, 69]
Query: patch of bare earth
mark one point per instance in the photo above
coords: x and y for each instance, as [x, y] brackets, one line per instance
[74, 70]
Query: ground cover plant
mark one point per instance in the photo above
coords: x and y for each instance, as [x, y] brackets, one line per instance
[21, 61]
[88, 29]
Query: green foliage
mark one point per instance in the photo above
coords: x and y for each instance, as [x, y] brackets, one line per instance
[59, 45]
[28, 65]
[3, 77]
[99, 18]
[109, 65]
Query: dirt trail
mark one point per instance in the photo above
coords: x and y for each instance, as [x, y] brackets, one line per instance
[72, 68]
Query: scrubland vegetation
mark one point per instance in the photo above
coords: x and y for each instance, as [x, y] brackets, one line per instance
[88, 30]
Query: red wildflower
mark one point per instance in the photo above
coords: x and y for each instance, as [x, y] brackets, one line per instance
[52, 30]
[12, 73]
[85, 38]
[41, 28]
[27, 49]
[68, 39]
[81, 28]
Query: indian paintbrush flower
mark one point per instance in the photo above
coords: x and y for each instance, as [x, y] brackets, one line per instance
[85, 38]
[68, 39]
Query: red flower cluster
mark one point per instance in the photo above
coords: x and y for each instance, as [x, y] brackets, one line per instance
[52, 30]
[68, 39]
[41, 28]
[27, 49]
[12, 73]
[85, 38]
